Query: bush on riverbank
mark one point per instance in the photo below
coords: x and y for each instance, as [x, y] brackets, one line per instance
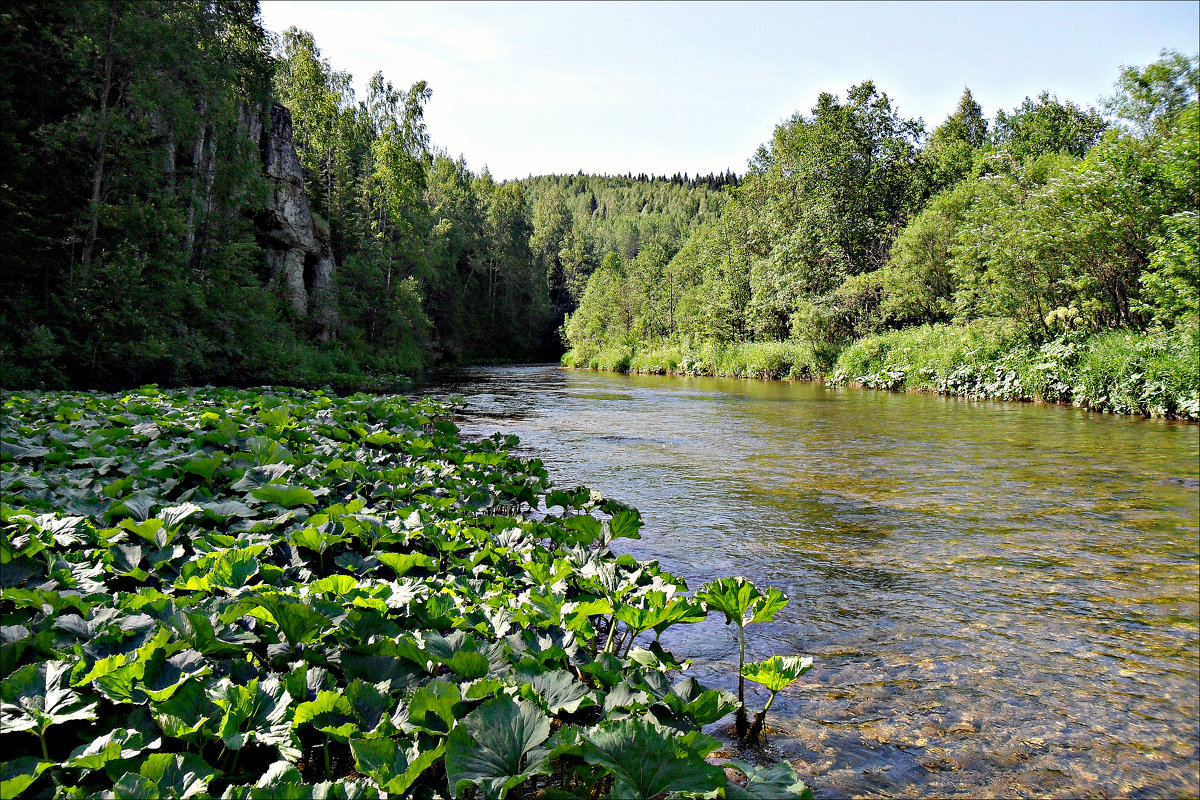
[1153, 374]
[281, 593]
[1156, 373]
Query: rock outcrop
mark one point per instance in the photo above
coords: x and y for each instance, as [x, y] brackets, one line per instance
[299, 253]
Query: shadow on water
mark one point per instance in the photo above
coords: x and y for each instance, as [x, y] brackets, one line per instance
[1001, 598]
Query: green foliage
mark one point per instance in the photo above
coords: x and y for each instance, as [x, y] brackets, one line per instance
[497, 747]
[1153, 374]
[1152, 97]
[647, 761]
[1051, 224]
[776, 673]
[742, 604]
[344, 599]
[1043, 126]
[579, 220]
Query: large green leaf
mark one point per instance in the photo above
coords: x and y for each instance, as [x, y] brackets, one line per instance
[625, 524]
[769, 605]
[775, 782]
[496, 747]
[702, 706]
[37, 696]
[646, 761]
[432, 708]
[393, 768]
[257, 711]
[777, 672]
[204, 466]
[266, 451]
[257, 477]
[18, 774]
[299, 622]
[401, 563]
[741, 601]
[286, 496]
[117, 744]
[558, 692]
[187, 712]
[201, 633]
[733, 597]
[371, 705]
[163, 675]
[171, 775]
[330, 713]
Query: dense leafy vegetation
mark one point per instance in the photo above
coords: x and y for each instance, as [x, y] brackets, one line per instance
[579, 220]
[286, 594]
[133, 190]
[1053, 229]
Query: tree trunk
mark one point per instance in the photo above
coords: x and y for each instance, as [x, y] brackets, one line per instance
[89, 242]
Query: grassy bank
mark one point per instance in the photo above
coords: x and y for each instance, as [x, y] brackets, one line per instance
[1153, 374]
[281, 593]
[762, 360]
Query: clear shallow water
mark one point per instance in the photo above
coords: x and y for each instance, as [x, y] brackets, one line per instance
[1001, 598]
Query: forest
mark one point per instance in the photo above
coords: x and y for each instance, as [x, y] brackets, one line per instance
[161, 230]
[1047, 253]
[189, 198]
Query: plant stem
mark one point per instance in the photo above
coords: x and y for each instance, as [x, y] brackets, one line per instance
[327, 770]
[612, 629]
[740, 723]
[741, 664]
[42, 738]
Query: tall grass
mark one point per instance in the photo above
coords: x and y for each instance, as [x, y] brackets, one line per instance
[764, 360]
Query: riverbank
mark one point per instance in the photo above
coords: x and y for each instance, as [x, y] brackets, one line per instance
[1152, 374]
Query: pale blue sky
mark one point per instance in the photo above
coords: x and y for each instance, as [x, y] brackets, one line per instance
[537, 88]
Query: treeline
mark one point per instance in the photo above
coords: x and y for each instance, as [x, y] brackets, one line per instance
[158, 229]
[1048, 221]
[431, 256]
[479, 269]
[711, 180]
[126, 193]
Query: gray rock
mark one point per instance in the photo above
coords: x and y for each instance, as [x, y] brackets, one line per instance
[299, 255]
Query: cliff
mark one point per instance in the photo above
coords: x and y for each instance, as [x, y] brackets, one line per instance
[299, 254]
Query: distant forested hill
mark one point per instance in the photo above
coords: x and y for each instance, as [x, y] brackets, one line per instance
[578, 219]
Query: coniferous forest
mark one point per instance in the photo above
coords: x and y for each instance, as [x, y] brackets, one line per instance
[189, 198]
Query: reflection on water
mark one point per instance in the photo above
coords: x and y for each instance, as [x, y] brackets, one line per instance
[1001, 598]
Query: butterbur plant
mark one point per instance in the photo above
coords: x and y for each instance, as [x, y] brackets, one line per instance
[742, 604]
[285, 594]
[776, 673]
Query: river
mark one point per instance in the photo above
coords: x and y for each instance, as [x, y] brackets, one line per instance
[1001, 599]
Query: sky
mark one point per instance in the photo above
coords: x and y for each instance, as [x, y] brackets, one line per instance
[610, 88]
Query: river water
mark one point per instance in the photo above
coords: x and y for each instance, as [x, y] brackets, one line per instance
[1001, 599]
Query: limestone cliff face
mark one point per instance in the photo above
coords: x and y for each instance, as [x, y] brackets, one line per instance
[299, 254]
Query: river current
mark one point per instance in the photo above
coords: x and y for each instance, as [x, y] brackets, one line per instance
[1001, 599]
